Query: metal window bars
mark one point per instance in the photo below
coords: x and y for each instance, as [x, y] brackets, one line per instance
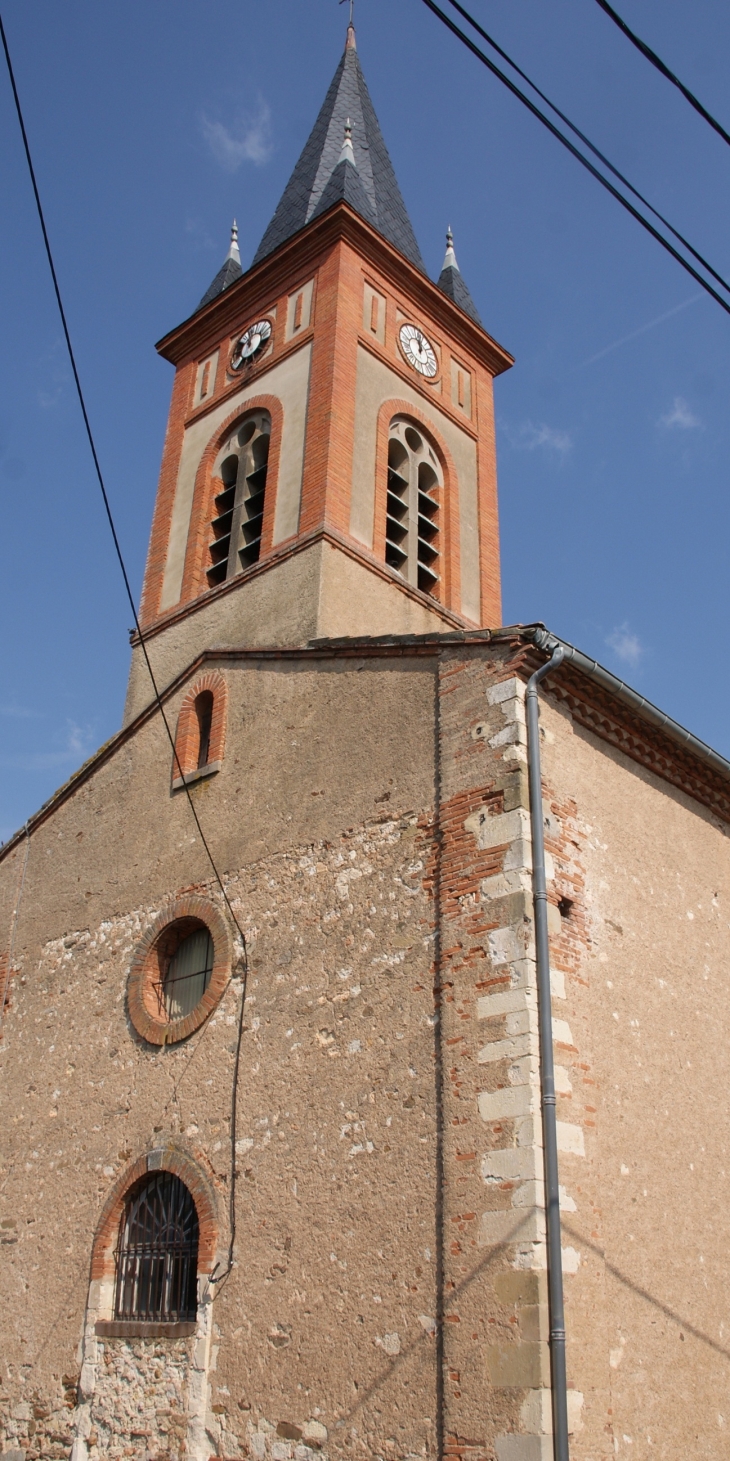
[157, 1257]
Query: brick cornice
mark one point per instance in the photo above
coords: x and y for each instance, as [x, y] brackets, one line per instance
[298, 255]
[290, 549]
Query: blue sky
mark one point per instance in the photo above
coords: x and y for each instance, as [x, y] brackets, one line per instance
[152, 125]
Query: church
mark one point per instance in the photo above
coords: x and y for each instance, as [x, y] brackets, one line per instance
[307, 1005]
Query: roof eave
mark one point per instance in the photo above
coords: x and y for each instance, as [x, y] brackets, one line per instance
[534, 637]
[206, 325]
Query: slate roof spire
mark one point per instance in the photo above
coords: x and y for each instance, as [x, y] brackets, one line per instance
[368, 183]
[229, 273]
[450, 280]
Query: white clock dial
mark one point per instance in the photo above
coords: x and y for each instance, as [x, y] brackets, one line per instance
[249, 344]
[419, 352]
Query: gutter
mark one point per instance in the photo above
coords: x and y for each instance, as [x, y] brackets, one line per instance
[638, 703]
[558, 1378]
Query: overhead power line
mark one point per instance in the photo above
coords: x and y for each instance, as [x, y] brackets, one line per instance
[471, 46]
[586, 140]
[660, 66]
[158, 699]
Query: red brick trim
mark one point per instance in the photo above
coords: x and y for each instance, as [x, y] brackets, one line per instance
[162, 519]
[186, 735]
[145, 971]
[170, 1159]
[206, 486]
[450, 549]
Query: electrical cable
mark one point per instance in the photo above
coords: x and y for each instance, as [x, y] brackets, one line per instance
[158, 699]
[471, 46]
[595, 150]
[660, 66]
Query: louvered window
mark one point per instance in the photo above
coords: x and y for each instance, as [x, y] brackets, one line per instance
[239, 503]
[415, 486]
[157, 1258]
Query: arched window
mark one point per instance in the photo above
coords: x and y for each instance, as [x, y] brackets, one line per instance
[239, 503]
[204, 716]
[157, 1257]
[415, 488]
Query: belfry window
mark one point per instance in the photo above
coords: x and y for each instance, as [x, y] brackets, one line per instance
[415, 488]
[157, 1257]
[239, 502]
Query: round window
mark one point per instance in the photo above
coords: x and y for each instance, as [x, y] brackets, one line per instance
[179, 971]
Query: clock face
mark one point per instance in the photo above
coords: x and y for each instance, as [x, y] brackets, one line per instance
[250, 344]
[418, 351]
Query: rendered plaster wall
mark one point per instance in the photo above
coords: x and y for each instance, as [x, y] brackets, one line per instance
[645, 1042]
[328, 1316]
[336, 1118]
[316, 593]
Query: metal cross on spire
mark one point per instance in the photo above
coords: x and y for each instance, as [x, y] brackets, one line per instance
[352, 9]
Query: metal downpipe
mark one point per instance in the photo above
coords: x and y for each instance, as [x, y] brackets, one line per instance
[547, 1070]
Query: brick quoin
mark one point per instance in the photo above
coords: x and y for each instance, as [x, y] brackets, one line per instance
[187, 735]
[174, 1160]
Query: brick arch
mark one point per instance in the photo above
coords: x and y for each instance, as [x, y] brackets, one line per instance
[450, 595]
[186, 735]
[170, 1158]
[141, 1004]
[194, 580]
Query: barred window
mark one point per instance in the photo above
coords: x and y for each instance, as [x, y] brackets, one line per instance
[415, 486]
[157, 1258]
[239, 503]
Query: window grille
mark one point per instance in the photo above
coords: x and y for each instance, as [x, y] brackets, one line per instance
[188, 974]
[239, 505]
[157, 1258]
[415, 485]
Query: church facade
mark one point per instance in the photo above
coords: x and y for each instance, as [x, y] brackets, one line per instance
[273, 1175]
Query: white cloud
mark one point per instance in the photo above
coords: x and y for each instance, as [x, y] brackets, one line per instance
[531, 437]
[680, 415]
[626, 645]
[248, 140]
[20, 712]
[74, 753]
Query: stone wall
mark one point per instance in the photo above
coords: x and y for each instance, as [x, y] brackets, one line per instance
[388, 1291]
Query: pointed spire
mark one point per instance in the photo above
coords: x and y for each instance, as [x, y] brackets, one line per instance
[451, 282]
[380, 201]
[233, 250]
[347, 154]
[229, 272]
[449, 256]
[350, 44]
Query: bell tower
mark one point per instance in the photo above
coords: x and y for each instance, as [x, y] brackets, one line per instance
[329, 466]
